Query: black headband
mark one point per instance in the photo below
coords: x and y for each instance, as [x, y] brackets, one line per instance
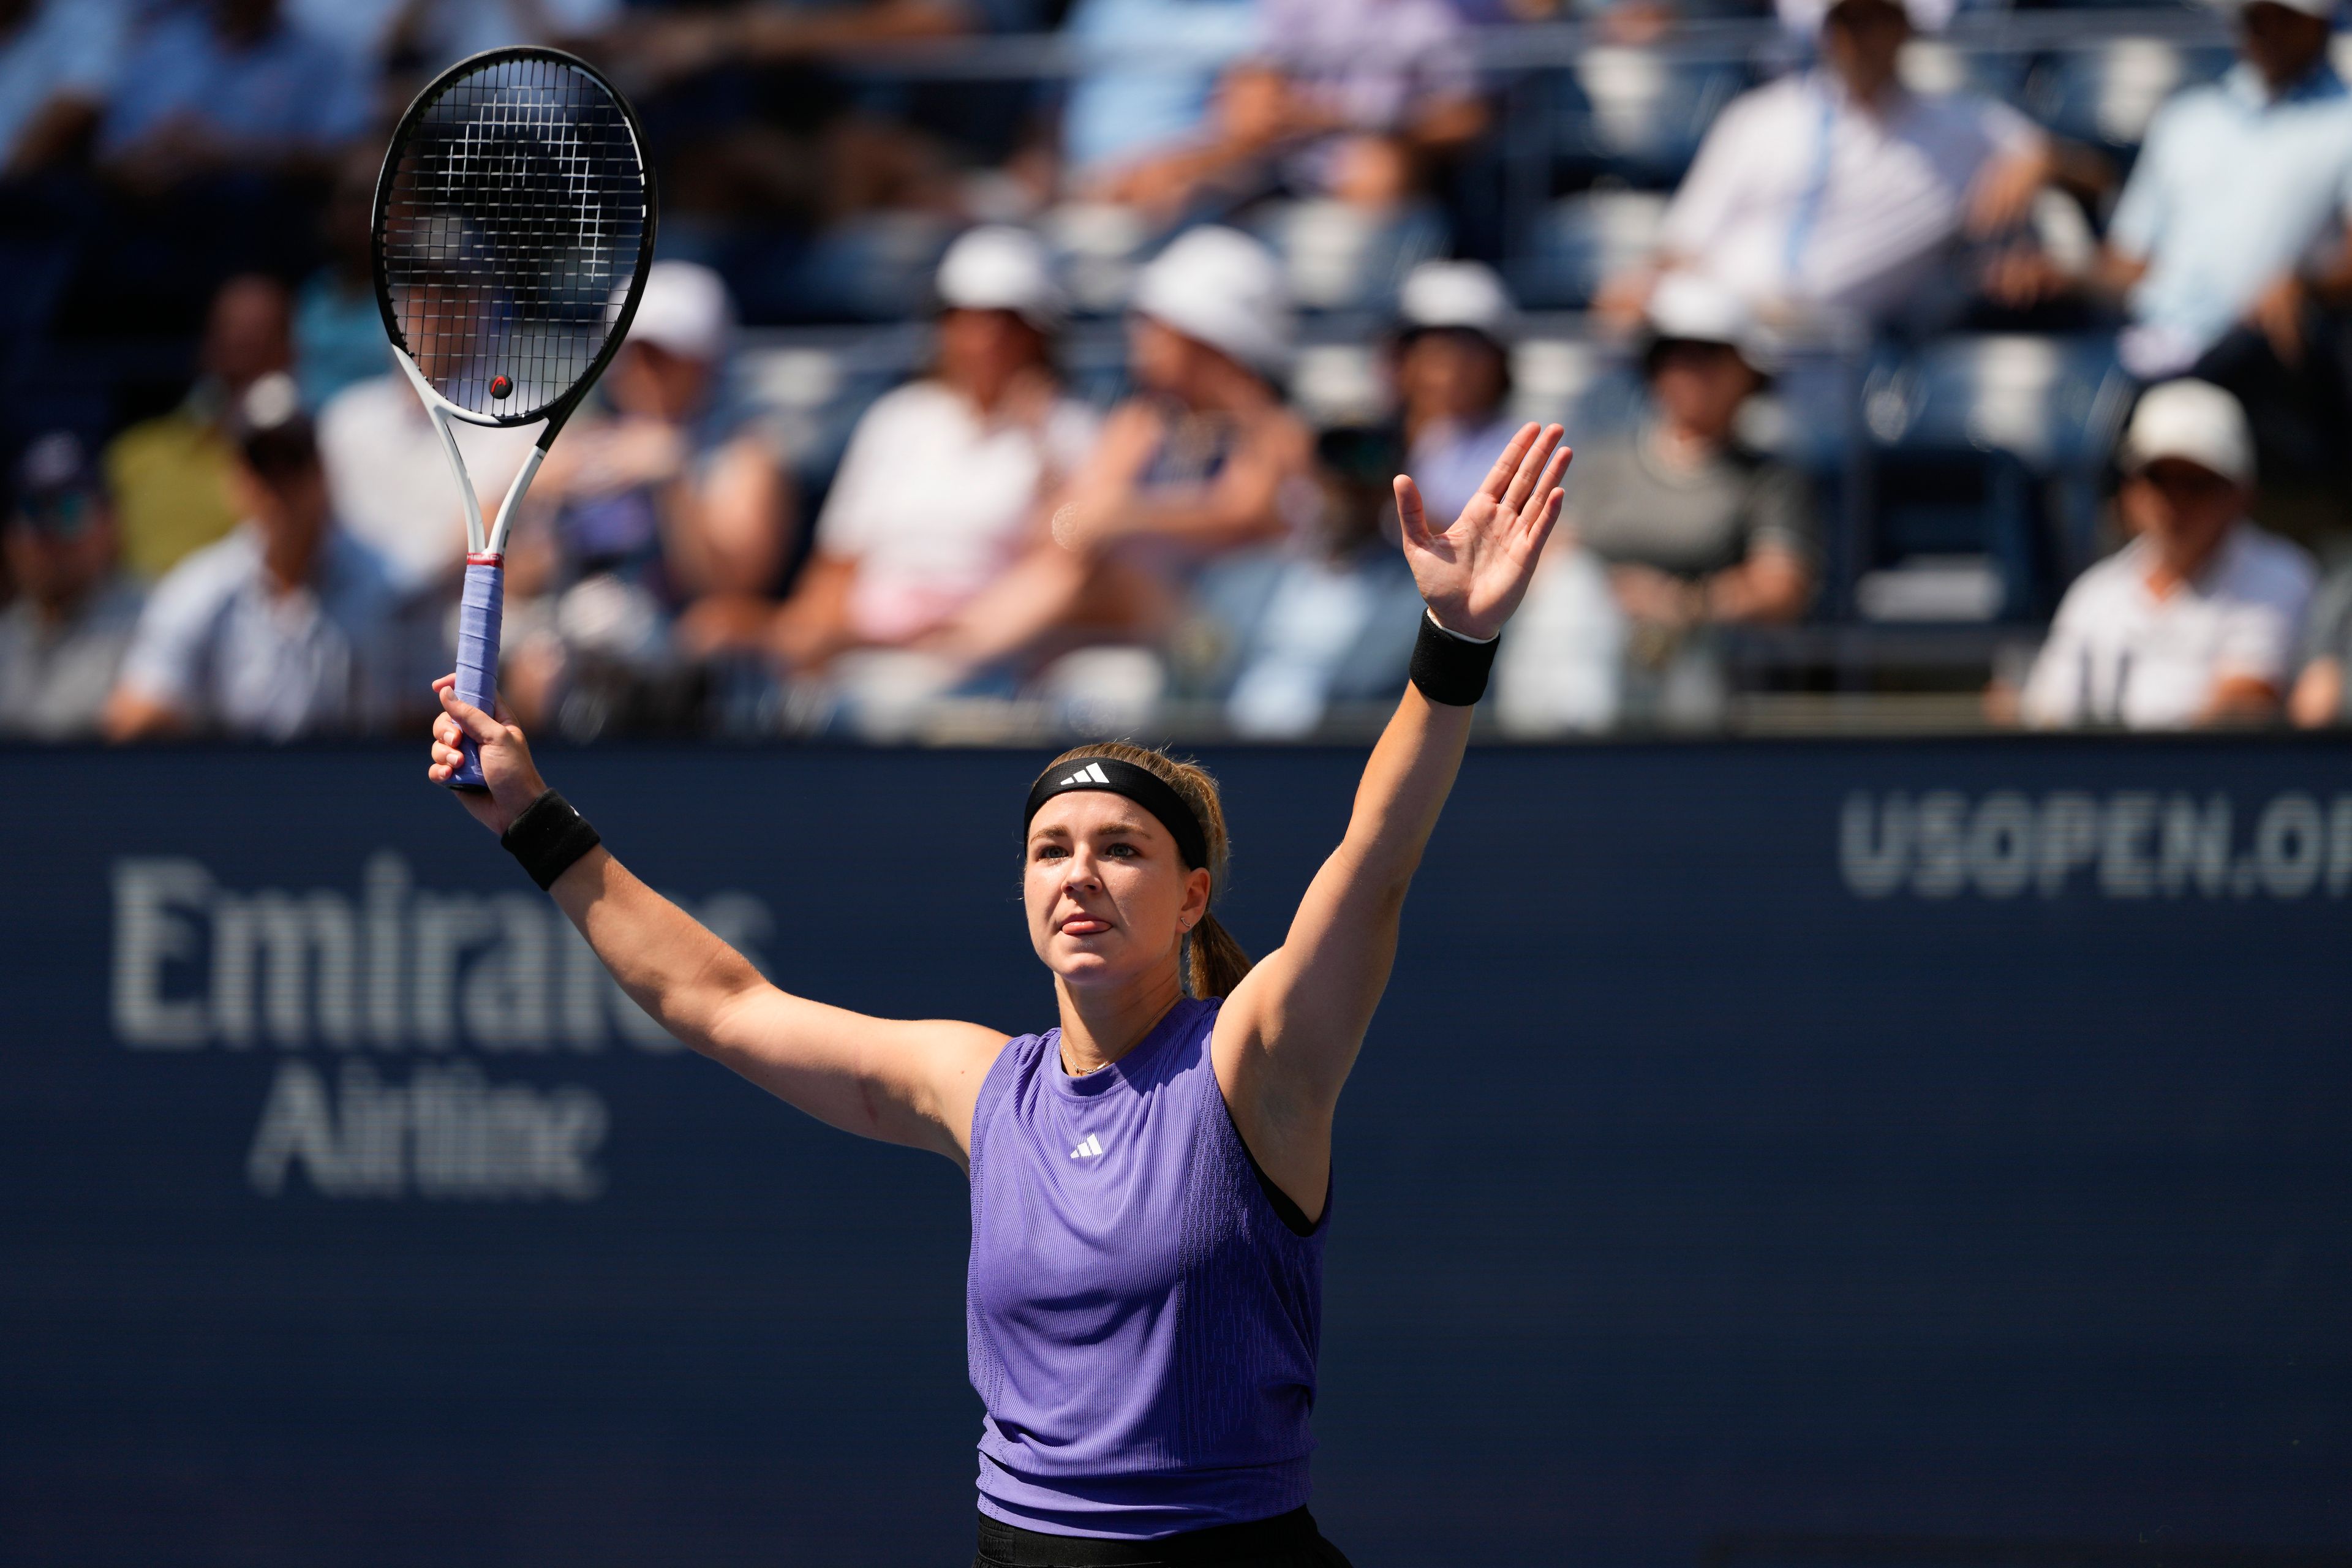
[1141, 786]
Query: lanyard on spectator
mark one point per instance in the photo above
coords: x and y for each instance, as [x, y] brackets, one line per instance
[1809, 200]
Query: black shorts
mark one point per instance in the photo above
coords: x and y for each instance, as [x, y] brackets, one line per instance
[1286, 1541]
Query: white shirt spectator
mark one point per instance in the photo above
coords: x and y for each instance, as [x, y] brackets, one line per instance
[2232, 189]
[1801, 197]
[68, 49]
[2119, 654]
[219, 647]
[391, 482]
[932, 502]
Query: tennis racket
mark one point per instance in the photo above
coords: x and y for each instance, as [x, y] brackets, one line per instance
[514, 220]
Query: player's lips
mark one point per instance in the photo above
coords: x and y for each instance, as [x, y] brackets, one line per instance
[1083, 925]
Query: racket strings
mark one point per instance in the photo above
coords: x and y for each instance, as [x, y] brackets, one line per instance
[510, 229]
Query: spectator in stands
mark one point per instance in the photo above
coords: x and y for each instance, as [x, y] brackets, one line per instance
[169, 475]
[59, 60]
[390, 479]
[1148, 73]
[2322, 698]
[230, 85]
[338, 328]
[1329, 618]
[1204, 460]
[2195, 621]
[1452, 374]
[62, 638]
[283, 629]
[670, 492]
[946, 480]
[2229, 247]
[770, 33]
[1349, 98]
[1699, 528]
[1840, 192]
[882, 171]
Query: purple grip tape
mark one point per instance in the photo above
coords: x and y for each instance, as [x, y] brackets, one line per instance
[477, 653]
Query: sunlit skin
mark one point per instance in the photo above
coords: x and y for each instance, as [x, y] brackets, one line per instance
[1109, 900]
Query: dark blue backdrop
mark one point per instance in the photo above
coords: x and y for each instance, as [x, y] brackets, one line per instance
[1931, 1139]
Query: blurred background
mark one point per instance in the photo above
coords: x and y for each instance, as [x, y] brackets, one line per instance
[1860, 1140]
[1022, 368]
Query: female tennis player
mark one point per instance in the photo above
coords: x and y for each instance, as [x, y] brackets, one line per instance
[1151, 1181]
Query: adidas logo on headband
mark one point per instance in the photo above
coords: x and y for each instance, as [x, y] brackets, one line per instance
[1141, 786]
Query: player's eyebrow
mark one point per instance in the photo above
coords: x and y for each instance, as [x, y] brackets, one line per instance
[1125, 827]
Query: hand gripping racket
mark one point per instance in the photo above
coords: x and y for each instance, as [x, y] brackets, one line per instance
[514, 220]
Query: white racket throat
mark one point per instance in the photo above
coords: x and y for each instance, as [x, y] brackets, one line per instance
[478, 541]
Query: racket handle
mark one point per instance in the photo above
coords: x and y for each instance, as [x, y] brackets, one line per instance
[478, 615]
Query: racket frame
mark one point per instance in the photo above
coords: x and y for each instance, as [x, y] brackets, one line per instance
[482, 607]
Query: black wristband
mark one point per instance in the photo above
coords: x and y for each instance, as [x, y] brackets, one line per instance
[1450, 669]
[547, 836]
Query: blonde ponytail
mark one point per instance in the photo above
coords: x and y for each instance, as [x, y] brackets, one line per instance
[1213, 961]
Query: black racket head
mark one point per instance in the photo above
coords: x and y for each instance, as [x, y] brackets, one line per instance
[514, 223]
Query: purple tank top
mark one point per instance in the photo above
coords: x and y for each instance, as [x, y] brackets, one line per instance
[1142, 1325]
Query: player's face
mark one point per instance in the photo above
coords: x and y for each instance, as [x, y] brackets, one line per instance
[1107, 895]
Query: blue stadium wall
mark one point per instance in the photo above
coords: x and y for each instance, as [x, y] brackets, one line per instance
[1824, 1148]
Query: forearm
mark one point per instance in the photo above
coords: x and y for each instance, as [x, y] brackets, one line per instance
[2239, 700]
[1767, 587]
[1403, 788]
[670, 965]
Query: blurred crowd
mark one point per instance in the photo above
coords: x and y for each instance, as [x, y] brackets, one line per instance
[270, 547]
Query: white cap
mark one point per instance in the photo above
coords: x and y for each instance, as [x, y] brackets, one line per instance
[1220, 286]
[1456, 294]
[685, 310]
[1000, 268]
[2196, 422]
[1694, 307]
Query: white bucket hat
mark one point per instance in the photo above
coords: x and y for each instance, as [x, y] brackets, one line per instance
[1464, 295]
[686, 311]
[2195, 421]
[1000, 268]
[1691, 307]
[1220, 286]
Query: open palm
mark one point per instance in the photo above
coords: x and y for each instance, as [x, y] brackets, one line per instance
[1473, 574]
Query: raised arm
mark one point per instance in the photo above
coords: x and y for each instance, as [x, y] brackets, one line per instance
[903, 1082]
[1289, 1033]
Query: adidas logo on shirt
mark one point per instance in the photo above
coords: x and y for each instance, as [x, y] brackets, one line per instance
[1090, 1150]
[1091, 773]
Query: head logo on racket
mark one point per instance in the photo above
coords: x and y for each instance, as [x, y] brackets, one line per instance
[514, 221]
